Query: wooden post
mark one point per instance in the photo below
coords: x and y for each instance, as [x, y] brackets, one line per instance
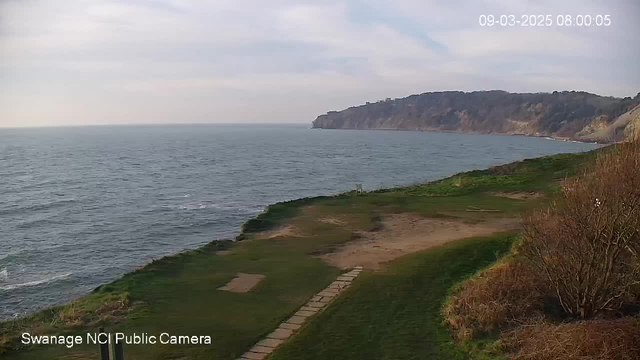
[104, 348]
[118, 353]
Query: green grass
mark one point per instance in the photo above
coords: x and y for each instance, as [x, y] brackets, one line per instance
[396, 314]
[178, 294]
[538, 175]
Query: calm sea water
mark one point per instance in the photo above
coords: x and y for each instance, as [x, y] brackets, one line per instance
[81, 206]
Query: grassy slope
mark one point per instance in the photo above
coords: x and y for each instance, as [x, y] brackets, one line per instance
[178, 294]
[396, 314]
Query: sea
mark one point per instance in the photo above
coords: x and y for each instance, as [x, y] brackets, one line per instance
[81, 206]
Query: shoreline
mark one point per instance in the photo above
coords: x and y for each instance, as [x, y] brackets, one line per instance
[239, 234]
[549, 137]
[259, 222]
[291, 264]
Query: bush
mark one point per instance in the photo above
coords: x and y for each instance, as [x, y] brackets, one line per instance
[505, 295]
[586, 244]
[584, 340]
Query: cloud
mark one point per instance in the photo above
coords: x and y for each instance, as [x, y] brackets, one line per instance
[116, 61]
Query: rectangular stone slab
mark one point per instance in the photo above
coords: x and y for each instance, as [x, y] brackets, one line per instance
[270, 342]
[262, 349]
[280, 334]
[289, 326]
[304, 313]
[297, 320]
[308, 308]
[315, 305]
[254, 356]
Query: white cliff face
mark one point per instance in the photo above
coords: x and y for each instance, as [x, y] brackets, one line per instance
[633, 128]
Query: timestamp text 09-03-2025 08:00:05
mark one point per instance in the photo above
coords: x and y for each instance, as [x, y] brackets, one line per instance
[544, 20]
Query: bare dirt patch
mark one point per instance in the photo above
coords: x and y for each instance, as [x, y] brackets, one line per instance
[407, 233]
[288, 230]
[242, 283]
[519, 195]
[331, 220]
[224, 252]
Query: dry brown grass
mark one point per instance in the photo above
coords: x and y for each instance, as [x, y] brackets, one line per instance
[503, 296]
[584, 340]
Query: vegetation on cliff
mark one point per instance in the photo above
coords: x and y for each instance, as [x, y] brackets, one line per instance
[574, 278]
[567, 114]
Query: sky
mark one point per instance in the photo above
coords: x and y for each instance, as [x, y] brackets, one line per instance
[89, 62]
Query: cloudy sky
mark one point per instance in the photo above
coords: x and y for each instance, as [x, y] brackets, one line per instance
[70, 62]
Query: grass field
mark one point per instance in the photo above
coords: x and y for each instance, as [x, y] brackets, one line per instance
[393, 314]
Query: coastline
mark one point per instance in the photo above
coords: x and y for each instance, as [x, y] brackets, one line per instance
[113, 303]
[550, 137]
[198, 199]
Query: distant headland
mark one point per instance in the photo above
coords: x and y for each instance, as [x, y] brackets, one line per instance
[573, 115]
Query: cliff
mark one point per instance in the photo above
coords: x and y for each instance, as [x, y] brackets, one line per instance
[567, 114]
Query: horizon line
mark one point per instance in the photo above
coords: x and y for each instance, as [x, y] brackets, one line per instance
[148, 124]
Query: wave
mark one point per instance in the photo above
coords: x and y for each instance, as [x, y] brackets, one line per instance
[4, 275]
[222, 207]
[36, 282]
[194, 206]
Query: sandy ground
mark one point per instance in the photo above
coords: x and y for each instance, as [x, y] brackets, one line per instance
[407, 233]
[242, 283]
[330, 220]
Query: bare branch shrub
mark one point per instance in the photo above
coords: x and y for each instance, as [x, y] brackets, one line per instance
[587, 244]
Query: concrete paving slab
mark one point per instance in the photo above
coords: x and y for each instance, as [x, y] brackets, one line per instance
[270, 342]
[315, 304]
[289, 326]
[262, 349]
[297, 320]
[254, 356]
[304, 313]
[280, 334]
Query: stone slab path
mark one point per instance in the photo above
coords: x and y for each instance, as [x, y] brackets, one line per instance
[315, 305]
